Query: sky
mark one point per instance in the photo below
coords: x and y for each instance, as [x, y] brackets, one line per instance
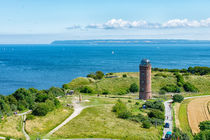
[43, 21]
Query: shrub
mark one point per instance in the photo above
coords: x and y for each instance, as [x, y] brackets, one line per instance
[138, 118]
[118, 106]
[189, 87]
[134, 88]
[178, 134]
[162, 75]
[65, 86]
[146, 124]
[156, 121]
[41, 109]
[137, 103]
[41, 97]
[124, 114]
[156, 114]
[91, 75]
[86, 89]
[56, 91]
[121, 110]
[205, 125]
[99, 75]
[96, 75]
[171, 88]
[162, 92]
[178, 98]
[203, 135]
[122, 92]
[30, 117]
[124, 75]
[155, 105]
[129, 101]
[106, 92]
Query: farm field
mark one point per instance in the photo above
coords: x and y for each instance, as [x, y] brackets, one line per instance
[198, 111]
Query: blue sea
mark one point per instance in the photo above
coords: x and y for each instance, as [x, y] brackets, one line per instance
[44, 66]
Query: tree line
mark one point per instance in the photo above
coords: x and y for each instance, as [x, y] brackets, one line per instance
[39, 101]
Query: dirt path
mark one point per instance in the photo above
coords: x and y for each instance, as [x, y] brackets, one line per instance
[77, 110]
[197, 111]
[23, 128]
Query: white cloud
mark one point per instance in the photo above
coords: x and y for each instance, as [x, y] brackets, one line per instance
[123, 24]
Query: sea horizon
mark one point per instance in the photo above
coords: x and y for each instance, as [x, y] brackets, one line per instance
[45, 65]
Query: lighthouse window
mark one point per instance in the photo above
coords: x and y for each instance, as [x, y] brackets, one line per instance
[142, 89]
[142, 81]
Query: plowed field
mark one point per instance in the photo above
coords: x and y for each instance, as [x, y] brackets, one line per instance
[198, 110]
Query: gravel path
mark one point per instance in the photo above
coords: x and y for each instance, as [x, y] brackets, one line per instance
[169, 114]
[77, 110]
[23, 128]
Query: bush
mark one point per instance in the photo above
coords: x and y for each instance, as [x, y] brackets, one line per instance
[162, 92]
[30, 117]
[162, 75]
[156, 114]
[56, 91]
[121, 110]
[129, 101]
[41, 109]
[178, 98]
[146, 124]
[203, 135]
[205, 125]
[86, 89]
[118, 106]
[134, 88]
[155, 105]
[96, 75]
[99, 75]
[199, 70]
[124, 114]
[171, 88]
[178, 134]
[137, 103]
[189, 87]
[106, 92]
[156, 121]
[122, 92]
[124, 75]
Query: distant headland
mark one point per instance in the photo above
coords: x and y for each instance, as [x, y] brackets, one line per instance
[128, 41]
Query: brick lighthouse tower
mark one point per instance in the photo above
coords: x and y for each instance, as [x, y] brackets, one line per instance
[145, 80]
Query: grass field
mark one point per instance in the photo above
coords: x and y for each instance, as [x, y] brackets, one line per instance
[40, 126]
[183, 118]
[98, 121]
[11, 127]
[120, 84]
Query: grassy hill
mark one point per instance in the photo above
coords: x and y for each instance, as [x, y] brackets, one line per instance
[120, 85]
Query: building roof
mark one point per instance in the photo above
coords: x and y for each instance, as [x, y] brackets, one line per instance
[145, 62]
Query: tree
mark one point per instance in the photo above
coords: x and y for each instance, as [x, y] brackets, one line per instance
[41, 109]
[188, 87]
[205, 125]
[156, 114]
[86, 89]
[124, 75]
[99, 74]
[133, 88]
[178, 98]
[146, 124]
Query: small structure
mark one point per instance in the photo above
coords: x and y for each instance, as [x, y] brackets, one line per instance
[145, 80]
[70, 92]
